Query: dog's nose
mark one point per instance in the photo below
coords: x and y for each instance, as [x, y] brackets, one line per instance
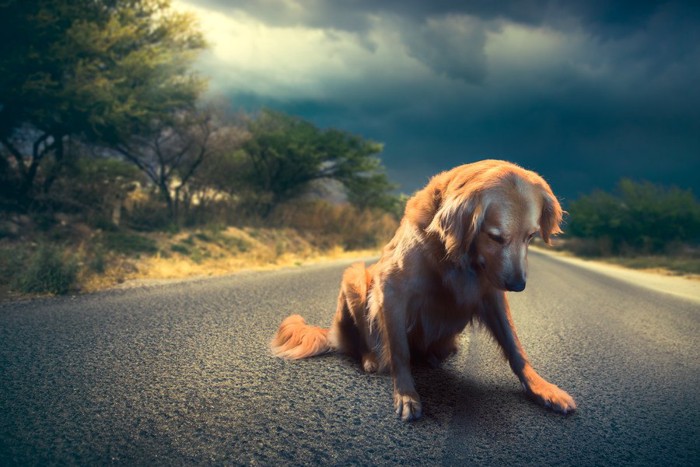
[516, 285]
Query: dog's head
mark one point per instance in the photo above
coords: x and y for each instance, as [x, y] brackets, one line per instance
[489, 212]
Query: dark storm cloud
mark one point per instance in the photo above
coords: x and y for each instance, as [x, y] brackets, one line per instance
[653, 34]
[604, 17]
[454, 47]
[618, 98]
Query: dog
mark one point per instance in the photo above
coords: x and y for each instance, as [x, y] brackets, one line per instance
[462, 243]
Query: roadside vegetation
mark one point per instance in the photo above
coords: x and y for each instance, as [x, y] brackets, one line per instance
[114, 165]
[641, 225]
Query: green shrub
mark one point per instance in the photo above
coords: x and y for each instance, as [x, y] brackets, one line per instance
[199, 255]
[337, 224]
[232, 243]
[238, 243]
[180, 248]
[90, 186]
[49, 270]
[639, 218]
[203, 237]
[128, 243]
[98, 262]
[11, 260]
[150, 215]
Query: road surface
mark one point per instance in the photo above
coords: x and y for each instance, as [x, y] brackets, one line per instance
[181, 374]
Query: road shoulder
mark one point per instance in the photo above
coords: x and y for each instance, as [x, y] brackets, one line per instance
[673, 285]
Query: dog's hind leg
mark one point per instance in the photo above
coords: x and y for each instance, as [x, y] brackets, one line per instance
[350, 327]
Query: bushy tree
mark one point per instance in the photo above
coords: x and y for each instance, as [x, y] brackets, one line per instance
[96, 187]
[285, 153]
[102, 70]
[640, 217]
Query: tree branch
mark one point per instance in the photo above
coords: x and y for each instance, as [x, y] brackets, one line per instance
[16, 154]
[127, 153]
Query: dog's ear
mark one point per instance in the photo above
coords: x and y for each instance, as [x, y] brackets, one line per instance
[457, 222]
[551, 216]
[421, 207]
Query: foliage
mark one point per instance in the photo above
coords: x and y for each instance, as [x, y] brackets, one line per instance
[640, 217]
[685, 264]
[172, 154]
[128, 243]
[284, 154]
[179, 248]
[101, 135]
[150, 215]
[337, 224]
[223, 173]
[96, 187]
[49, 270]
[101, 70]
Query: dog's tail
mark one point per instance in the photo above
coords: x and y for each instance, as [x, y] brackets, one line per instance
[295, 339]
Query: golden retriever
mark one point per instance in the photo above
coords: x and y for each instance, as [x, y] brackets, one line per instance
[461, 244]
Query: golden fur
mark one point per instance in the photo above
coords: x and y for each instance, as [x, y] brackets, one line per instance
[461, 244]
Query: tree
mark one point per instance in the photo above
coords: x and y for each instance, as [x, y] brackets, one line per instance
[286, 153]
[226, 171]
[101, 70]
[355, 165]
[171, 156]
[283, 155]
[96, 186]
[640, 217]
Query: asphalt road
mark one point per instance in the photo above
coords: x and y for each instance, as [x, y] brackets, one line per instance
[181, 374]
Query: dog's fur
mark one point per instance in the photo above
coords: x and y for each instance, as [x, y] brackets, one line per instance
[462, 242]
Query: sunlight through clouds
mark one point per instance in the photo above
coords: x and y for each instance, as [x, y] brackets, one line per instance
[247, 55]
[304, 62]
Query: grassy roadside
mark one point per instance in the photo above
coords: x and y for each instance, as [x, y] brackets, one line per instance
[78, 259]
[686, 264]
[101, 260]
[675, 266]
[59, 253]
[210, 253]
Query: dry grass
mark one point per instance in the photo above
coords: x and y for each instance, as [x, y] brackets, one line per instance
[685, 262]
[337, 224]
[203, 253]
[296, 233]
[668, 265]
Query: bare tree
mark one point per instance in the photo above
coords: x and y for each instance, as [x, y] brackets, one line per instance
[173, 152]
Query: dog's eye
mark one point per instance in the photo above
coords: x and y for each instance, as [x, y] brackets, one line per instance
[497, 238]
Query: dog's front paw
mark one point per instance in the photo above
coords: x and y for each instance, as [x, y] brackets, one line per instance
[408, 405]
[552, 397]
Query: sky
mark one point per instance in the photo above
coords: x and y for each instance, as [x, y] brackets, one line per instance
[584, 92]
